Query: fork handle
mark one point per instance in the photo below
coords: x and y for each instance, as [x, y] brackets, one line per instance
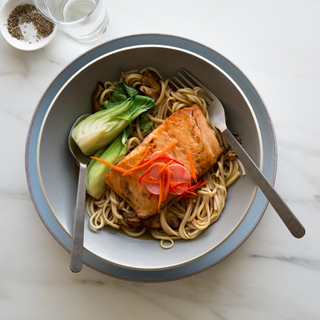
[287, 216]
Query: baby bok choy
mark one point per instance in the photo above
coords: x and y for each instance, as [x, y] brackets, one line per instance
[97, 170]
[101, 128]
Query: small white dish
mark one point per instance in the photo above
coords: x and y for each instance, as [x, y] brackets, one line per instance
[27, 45]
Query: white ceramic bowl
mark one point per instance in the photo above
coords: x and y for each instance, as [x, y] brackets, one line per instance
[31, 45]
[58, 174]
[52, 175]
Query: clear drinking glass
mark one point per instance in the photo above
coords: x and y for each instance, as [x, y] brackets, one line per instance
[84, 20]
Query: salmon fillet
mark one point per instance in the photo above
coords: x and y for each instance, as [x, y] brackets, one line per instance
[190, 129]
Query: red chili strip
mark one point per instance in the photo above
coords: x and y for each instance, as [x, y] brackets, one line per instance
[155, 157]
[193, 188]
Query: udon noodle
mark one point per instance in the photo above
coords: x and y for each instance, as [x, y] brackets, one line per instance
[197, 214]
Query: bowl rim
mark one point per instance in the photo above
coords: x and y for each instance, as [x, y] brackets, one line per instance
[240, 236]
[198, 256]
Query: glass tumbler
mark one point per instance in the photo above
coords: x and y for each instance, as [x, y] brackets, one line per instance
[84, 20]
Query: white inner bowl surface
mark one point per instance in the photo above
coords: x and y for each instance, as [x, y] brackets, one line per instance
[58, 173]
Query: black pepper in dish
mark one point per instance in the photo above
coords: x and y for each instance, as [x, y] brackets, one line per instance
[28, 14]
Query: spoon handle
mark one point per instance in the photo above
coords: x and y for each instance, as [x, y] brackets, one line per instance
[287, 216]
[78, 228]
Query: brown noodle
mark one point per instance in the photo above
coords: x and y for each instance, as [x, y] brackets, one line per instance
[195, 216]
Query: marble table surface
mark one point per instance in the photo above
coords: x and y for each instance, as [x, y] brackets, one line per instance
[272, 275]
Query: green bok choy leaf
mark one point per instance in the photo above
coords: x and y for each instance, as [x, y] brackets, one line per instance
[97, 170]
[121, 93]
[101, 128]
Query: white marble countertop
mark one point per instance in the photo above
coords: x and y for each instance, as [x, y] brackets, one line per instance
[272, 275]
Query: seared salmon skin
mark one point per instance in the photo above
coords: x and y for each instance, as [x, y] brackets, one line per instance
[189, 128]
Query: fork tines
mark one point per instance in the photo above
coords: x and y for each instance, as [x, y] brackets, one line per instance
[186, 79]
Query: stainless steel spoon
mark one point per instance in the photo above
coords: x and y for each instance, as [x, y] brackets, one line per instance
[78, 228]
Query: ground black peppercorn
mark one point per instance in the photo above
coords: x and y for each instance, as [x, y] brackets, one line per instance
[27, 14]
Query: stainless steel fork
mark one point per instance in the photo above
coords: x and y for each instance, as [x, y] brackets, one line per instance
[217, 116]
